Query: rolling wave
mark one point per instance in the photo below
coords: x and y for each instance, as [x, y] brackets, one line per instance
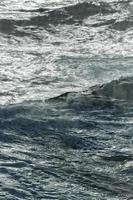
[117, 89]
[67, 15]
[58, 142]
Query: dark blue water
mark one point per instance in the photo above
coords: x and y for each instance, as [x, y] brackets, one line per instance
[66, 100]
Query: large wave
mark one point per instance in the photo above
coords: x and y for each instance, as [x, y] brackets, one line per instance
[120, 89]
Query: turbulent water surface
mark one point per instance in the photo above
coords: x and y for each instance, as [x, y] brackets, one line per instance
[66, 100]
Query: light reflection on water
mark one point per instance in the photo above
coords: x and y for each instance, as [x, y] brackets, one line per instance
[64, 135]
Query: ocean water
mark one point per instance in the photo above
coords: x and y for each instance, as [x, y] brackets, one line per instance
[66, 100]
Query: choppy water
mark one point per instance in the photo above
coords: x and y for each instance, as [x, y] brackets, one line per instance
[66, 92]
